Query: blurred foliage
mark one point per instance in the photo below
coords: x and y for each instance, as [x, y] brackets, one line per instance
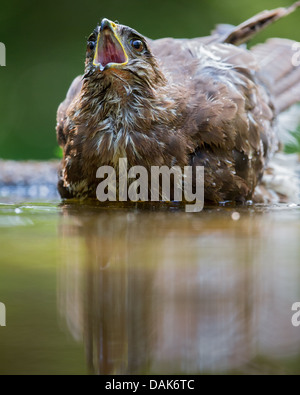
[294, 147]
[58, 152]
[46, 43]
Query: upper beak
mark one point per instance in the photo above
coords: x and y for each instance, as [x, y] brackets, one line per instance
[109, 51]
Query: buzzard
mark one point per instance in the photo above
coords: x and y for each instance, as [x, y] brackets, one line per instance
[179, 102]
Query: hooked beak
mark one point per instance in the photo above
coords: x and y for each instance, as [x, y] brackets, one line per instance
[110, 52]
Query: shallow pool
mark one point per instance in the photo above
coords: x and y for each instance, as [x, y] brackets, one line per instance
[148, 289]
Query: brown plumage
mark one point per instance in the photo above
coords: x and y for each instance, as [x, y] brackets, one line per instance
[203, 102]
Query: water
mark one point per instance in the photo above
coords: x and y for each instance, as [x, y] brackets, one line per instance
[92, 289]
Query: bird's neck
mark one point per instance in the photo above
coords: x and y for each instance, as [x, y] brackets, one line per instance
[135, 124]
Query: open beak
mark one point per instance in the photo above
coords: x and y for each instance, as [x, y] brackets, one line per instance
[110, 52]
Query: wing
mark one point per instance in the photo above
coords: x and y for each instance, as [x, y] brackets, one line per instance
[250, 28]
[74, 90]
[278, 71]
[233, 126]
[61, 130]
[241, 34]
[229, 119]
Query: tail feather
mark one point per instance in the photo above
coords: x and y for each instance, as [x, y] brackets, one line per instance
[287, 99]
[279, 72]
[247, 30]
[275, 53]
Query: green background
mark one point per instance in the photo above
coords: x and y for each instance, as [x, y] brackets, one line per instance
[46, 44]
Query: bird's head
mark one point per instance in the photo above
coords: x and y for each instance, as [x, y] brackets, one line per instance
[117, 54]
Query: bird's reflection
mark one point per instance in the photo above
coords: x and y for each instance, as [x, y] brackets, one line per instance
[167, 292]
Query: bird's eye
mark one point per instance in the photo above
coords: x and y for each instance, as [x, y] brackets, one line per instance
[138, 45]
[91, 45]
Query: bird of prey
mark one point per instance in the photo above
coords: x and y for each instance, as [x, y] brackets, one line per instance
[179, 102]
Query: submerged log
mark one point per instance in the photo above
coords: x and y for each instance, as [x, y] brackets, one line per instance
[28, 180]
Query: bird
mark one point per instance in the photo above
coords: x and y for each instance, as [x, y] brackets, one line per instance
[208, 101]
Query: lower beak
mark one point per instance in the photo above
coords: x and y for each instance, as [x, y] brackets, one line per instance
[110, 52]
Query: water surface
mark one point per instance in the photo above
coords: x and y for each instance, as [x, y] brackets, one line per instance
[92, 289]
